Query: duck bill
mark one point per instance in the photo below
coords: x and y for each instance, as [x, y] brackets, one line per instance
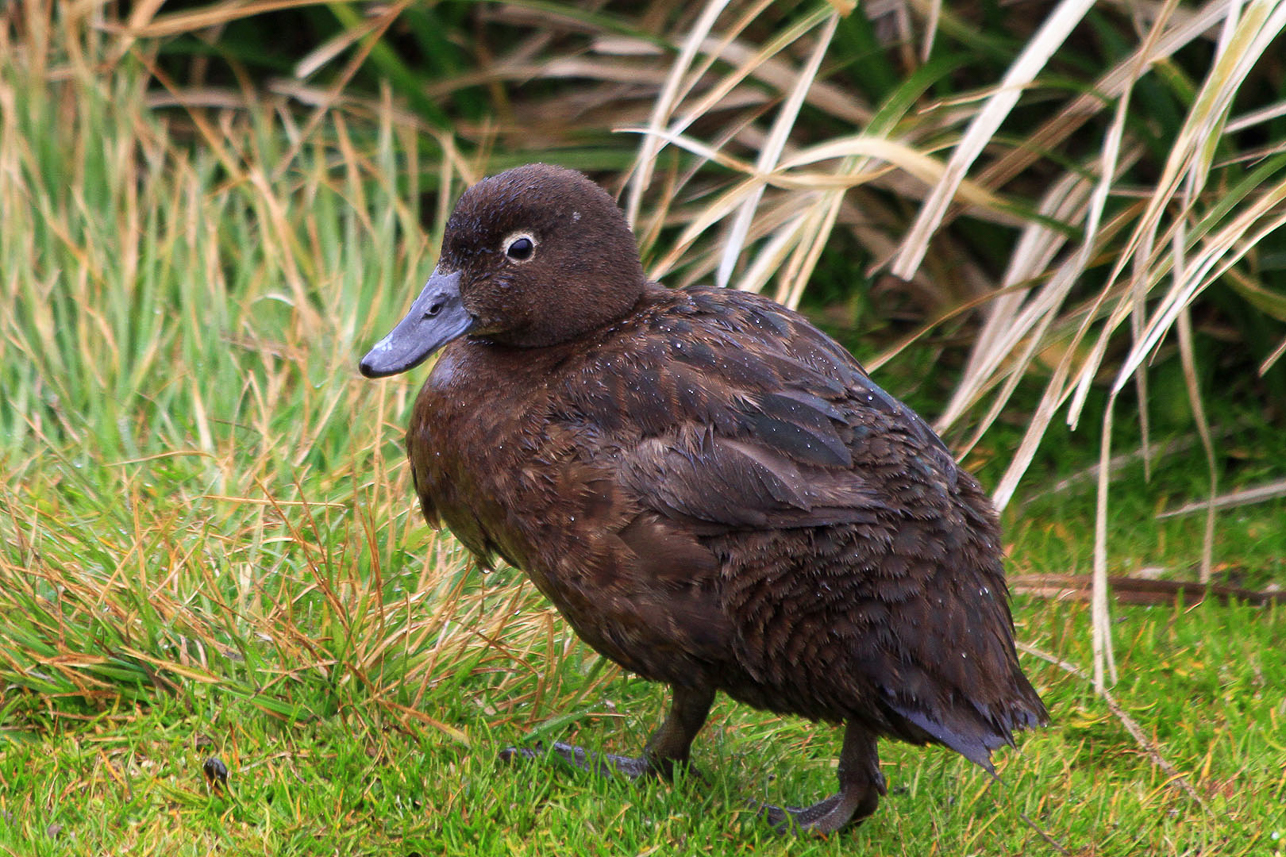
[437, 317]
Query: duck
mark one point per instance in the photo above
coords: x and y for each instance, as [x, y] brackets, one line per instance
[712, 492]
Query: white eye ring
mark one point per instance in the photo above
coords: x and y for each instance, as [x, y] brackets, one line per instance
[519, 246]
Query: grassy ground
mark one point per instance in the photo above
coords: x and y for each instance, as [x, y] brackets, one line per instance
[208, 548]
[1205, 683]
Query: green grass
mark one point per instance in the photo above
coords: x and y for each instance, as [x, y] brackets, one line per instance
[209, 547]
[1204, 682]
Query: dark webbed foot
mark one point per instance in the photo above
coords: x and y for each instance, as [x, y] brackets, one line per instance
[826, 816]
[604, 764]
[860, 787]
[668, 746]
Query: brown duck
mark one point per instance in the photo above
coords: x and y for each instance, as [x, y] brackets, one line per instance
[711, 491]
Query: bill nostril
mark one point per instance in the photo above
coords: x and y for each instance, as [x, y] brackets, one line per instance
[433, 310]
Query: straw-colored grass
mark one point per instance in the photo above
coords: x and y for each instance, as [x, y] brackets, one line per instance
[1148, 251]
[188, 497]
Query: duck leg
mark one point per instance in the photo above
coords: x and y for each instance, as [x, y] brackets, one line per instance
[669, 744]
[860, 787]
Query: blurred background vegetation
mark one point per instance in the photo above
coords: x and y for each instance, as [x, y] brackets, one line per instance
[1051, 194]
[1020, 215]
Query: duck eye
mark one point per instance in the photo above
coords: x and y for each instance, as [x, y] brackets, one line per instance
[520, 248]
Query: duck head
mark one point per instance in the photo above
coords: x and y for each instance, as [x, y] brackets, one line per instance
[531, 257]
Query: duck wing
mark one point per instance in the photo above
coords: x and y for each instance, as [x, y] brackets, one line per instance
[752, 419]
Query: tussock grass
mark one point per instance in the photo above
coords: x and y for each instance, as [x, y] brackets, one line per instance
[189, 499]
[208, 545]
[1117, 236]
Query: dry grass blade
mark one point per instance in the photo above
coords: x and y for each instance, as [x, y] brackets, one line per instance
[1214, 256]
[771, 151]
[1203, 429]
[982, 129]
[1167, 33]
[1191, 155]
[800, 235]
[1133, 590]
[143, 25]
[1258, 494]
[1007, 324]
[1100, 613]
[664, 105]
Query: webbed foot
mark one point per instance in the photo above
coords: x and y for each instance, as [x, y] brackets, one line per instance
[860, 787]
[826, 816]
[667, 748]
[604, 764]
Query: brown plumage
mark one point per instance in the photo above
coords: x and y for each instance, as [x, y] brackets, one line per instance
[711, 491]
